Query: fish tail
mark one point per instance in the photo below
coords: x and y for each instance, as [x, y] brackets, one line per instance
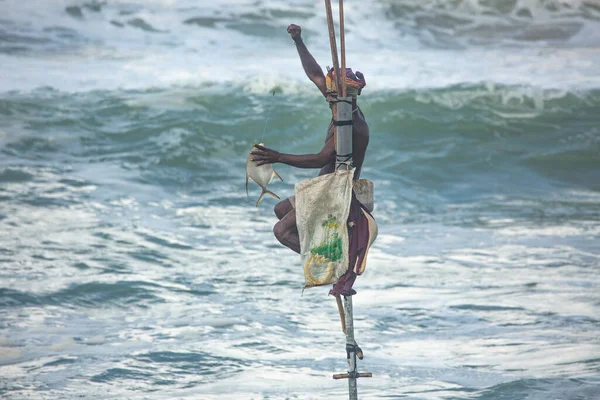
[265, 191]
[261, 197]
[272, 194]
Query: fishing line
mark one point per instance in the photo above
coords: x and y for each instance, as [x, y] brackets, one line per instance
[267, 121]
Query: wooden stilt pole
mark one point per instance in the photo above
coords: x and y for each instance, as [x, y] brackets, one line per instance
[343, 50]
[332, 43]
[343, 132]
[343, 148]
[350, 349]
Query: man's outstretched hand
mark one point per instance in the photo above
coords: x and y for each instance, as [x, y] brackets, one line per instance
[262, 155]
[295, 32]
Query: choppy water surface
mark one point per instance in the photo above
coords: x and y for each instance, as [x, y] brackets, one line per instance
[134, 266]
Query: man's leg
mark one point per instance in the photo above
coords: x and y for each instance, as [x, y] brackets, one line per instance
[286, 231]
[283, 208]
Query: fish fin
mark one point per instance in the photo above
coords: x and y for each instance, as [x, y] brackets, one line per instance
[277, 175]
[261, 197]
[272, 194]
[247, 184]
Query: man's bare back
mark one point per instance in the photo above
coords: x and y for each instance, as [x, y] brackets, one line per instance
[285, 230]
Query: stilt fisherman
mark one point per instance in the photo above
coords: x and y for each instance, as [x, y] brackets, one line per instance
[360, 221]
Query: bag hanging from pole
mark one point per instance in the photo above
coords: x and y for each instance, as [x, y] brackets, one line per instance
[322, 209]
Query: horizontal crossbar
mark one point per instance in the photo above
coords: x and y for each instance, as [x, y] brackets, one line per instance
[359, 375]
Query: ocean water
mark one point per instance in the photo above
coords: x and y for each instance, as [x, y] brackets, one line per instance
[133, 266]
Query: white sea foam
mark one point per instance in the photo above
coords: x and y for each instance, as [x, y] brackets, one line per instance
[136, 45]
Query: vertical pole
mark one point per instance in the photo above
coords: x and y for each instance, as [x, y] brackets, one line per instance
[343, 139]
[343, 148]
[332, 43]
[342, 49]
[350, 349]
[344, 159]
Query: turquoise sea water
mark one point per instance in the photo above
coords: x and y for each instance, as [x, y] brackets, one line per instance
[134, 266]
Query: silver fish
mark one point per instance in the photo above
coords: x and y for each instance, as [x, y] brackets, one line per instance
[262, 175]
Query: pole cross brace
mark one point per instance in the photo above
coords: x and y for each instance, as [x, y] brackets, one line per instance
[353, 374]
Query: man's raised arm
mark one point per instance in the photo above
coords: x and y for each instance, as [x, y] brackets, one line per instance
[312, 69]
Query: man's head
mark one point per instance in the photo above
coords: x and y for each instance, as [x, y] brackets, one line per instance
[354, 83]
